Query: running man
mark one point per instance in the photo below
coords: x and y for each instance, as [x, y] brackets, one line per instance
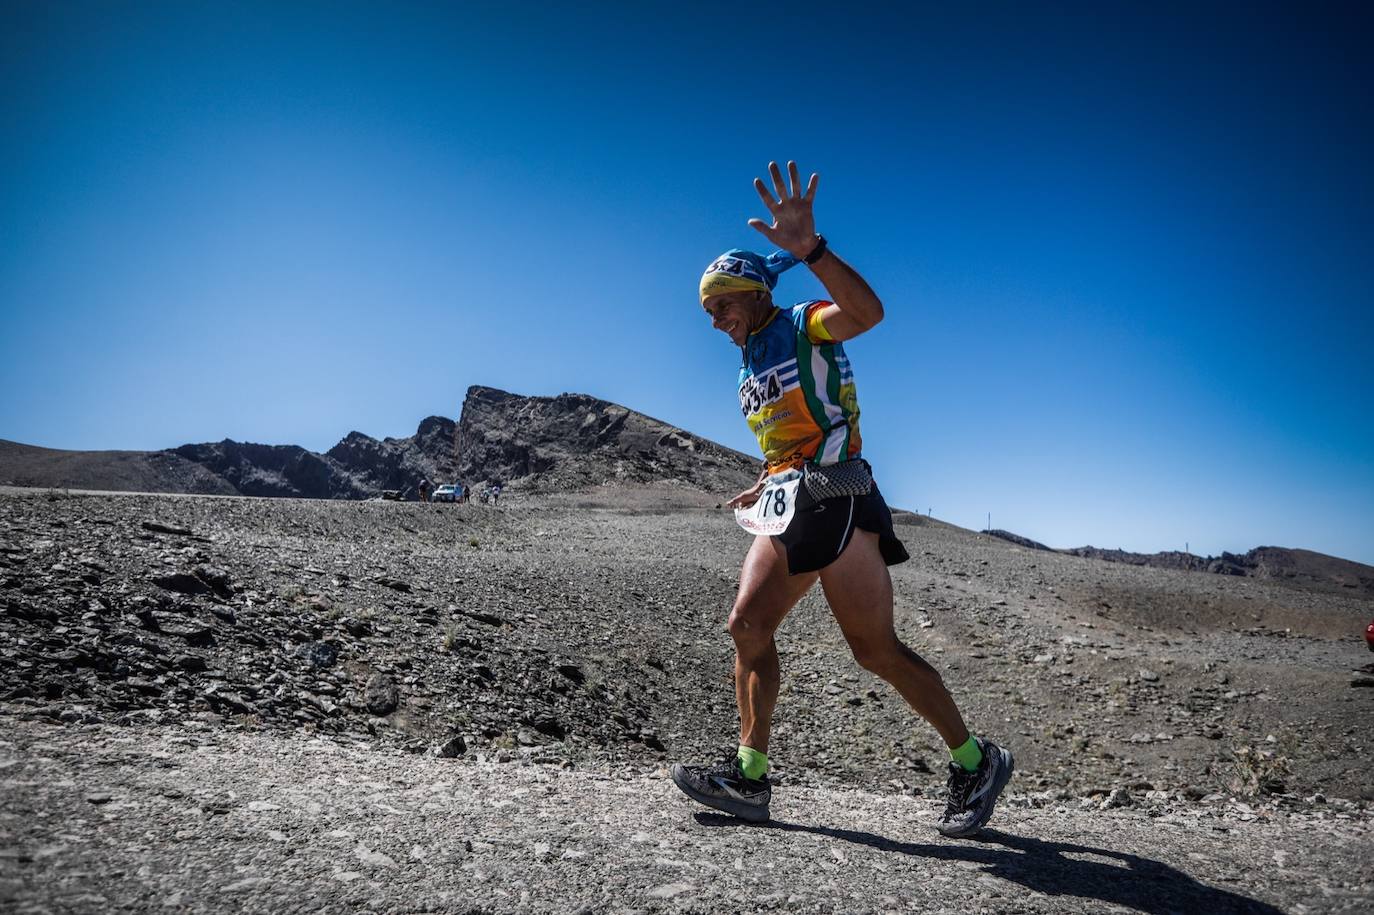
[815, 510]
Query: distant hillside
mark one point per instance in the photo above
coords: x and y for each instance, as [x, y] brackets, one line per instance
[572, 441]
[128, 471]
[1017, 539]
[538, 443]
[1301, 568]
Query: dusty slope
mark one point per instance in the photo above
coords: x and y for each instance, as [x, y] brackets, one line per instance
[128, 471]
[585, 629]
[99, 819]
[592, 624]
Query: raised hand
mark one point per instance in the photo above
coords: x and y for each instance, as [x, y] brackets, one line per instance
[794, 227]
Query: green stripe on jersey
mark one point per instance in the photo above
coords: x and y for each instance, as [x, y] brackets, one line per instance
[808, 386]
[832, 391]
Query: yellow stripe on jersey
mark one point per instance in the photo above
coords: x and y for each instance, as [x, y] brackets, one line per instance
[815, 327]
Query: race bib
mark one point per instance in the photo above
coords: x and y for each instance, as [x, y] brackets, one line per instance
[771, 514]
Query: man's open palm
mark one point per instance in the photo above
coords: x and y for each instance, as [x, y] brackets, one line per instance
[793, 228]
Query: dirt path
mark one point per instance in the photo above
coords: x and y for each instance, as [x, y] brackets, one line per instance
[100, 819]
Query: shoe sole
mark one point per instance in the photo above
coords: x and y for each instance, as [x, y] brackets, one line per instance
[751, 812]
[1008, 766]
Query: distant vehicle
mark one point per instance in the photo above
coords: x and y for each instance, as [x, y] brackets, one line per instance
[446, 493]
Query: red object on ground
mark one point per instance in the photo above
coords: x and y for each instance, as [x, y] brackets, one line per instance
[1369, 635]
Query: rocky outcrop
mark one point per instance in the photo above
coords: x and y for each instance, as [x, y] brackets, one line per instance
[1017, 539]
[273, 470]
[1169, 559]
[535, 443]
[573, 440]
[397, 463]
[1301, 568]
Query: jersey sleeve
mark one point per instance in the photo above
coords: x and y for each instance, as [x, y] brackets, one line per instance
[807, 318]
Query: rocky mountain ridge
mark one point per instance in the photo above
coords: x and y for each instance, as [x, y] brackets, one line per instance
[538, 443]
[1304, 568]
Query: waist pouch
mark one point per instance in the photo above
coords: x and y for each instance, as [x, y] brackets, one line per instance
[833, 481]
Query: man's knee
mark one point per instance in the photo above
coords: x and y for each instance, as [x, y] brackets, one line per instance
[749, 635]
[886, 658]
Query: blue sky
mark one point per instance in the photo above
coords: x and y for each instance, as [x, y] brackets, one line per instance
[1125, 253]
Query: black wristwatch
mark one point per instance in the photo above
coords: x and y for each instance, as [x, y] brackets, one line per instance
[817, 252]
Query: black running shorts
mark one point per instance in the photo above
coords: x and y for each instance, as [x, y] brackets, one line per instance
[820, 531]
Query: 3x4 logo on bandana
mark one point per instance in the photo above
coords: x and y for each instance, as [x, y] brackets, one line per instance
[758, 392]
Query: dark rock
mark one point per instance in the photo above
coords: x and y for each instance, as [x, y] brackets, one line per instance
[550, 727]
[572, 672]
[231, 702]
[29, 612]
[159, 528]
[182, 583]
[381, 695]
[73, 658]
[147, 687]
[450, 749]
[190, 662]
[216, 579]
[320, 654]
[357, 628]
[197, 635]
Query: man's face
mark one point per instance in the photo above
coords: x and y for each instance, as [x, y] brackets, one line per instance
[734, 313]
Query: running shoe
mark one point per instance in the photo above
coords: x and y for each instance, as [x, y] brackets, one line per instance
[724, 786]
[972, 795]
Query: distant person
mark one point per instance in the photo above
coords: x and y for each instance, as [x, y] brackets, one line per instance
[460, 493]
[815, 510]
[424, 490]
[495, 492]
[1369, 636]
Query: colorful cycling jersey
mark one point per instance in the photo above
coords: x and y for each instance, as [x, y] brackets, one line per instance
[796, 390]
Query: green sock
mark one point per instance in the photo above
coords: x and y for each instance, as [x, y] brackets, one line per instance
[968, 754]
[752, 762]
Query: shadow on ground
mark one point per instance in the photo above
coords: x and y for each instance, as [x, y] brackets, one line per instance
[1052, 868]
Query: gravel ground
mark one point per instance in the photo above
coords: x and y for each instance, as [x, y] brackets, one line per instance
[104, 819]
[171, 664]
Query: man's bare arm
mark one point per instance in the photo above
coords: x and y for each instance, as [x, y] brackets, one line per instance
[856, 308]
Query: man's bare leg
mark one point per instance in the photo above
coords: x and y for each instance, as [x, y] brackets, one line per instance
[859, 591]
[766, 594]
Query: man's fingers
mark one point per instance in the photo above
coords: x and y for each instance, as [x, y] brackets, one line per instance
[777, 180]
[794, 179]
[811, 187]
[763, 227]
[766, 197]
